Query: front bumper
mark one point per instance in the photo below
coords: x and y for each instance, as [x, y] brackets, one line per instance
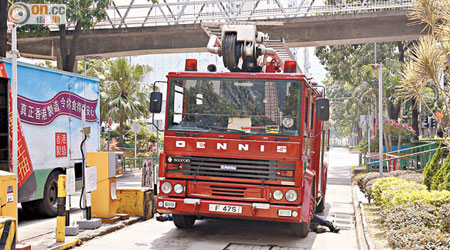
[254, 211]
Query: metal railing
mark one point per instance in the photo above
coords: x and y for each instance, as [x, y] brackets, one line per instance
[130, 163]
[414, 158]
[171, 12]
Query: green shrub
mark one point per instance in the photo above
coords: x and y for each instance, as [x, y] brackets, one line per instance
[441, 174]
[383, 184]
[418, 237]
[356, 178]
[398, 193]
[445, 185]
[444, 217]
[415, 177]
[413, 213]
[398, 173]
[364, 178]
[368, 189]
[434, 197]
[431, 168]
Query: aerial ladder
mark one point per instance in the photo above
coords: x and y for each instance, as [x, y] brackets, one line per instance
[245, 49]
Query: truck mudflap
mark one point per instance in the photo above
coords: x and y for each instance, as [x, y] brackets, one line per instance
[229, 209]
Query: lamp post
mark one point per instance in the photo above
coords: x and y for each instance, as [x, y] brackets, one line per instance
[380, 116]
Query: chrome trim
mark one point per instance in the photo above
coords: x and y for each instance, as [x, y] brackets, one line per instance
[191, 201]
[261, 205]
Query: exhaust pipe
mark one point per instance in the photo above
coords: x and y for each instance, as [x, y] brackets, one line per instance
[212, 48]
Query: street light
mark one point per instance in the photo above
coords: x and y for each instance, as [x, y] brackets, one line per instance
[379, 66]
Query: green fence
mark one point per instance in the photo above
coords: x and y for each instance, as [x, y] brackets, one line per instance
[413, 158]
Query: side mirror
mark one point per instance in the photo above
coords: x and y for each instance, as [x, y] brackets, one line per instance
[155, 102]
[323, 109]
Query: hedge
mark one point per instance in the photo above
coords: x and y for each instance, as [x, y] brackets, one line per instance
[432, 168]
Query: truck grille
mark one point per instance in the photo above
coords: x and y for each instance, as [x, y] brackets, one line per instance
[228, 191]
[235, 168]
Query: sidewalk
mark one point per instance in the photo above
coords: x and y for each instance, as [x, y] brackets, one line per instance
[40, 232]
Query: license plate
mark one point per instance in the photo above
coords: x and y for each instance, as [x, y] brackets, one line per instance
[225, 208]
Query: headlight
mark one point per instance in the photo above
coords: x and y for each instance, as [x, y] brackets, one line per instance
[178, 188]
[277, 195]
[291, 195]
[166, 187]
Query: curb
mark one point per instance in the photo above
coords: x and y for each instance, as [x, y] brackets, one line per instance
[361, 236]
[92, 234]
[107, 229]
[66, 245]
[366, 229]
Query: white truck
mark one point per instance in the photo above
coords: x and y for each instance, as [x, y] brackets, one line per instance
[50, 104]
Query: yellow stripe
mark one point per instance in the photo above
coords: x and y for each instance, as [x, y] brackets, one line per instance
[12, 233]
[10, 238]
[2, 226]
[66, 245]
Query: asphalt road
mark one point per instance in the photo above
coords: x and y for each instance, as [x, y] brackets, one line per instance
[245, 234]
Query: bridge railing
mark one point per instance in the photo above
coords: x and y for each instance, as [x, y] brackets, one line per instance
[171, 12]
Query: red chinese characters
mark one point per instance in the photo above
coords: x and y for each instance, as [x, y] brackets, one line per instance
[61, 144]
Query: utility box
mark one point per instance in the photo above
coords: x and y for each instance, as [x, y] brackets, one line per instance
[104, 200]
[8, 194]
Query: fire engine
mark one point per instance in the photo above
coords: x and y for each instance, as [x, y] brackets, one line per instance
[250, 143]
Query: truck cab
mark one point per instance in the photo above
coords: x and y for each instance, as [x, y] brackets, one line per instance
[242, 145]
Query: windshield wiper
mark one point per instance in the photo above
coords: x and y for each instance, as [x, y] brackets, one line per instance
[214, 128]
[245, 136]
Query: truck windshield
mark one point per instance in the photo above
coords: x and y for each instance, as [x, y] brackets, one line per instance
[250, 106]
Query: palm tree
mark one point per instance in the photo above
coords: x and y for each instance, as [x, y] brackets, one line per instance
[122, 97]
[429, 59]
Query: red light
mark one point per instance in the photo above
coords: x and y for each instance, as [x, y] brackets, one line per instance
[191, 65]
[314, 83]
[290, 67]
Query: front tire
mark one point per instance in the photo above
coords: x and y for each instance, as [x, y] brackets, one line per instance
[300, 229]
[47, 206]
[183, 221]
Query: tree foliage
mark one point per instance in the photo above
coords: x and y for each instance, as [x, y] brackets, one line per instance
[428, 62]
[352, 82]
[122, 97]
[82, 14]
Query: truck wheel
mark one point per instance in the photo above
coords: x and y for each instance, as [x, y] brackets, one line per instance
[321, 206]
[300, 229]
[29, 208]
[47, 206]
[183, 221]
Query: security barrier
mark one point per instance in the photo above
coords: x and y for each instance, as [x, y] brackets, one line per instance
[136, 202]
[8, 233]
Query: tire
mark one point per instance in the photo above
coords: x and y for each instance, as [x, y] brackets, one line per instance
[29, 209]
[47, 206]
[300, 229]
[231, 51]
[183, 221]
[321, 206]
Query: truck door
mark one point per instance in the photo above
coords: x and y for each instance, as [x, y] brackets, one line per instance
[307, 129]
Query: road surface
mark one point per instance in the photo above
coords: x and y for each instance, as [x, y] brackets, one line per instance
[33, 228]
[240, 234]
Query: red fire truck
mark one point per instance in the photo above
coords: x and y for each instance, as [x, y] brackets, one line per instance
[247, 144]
